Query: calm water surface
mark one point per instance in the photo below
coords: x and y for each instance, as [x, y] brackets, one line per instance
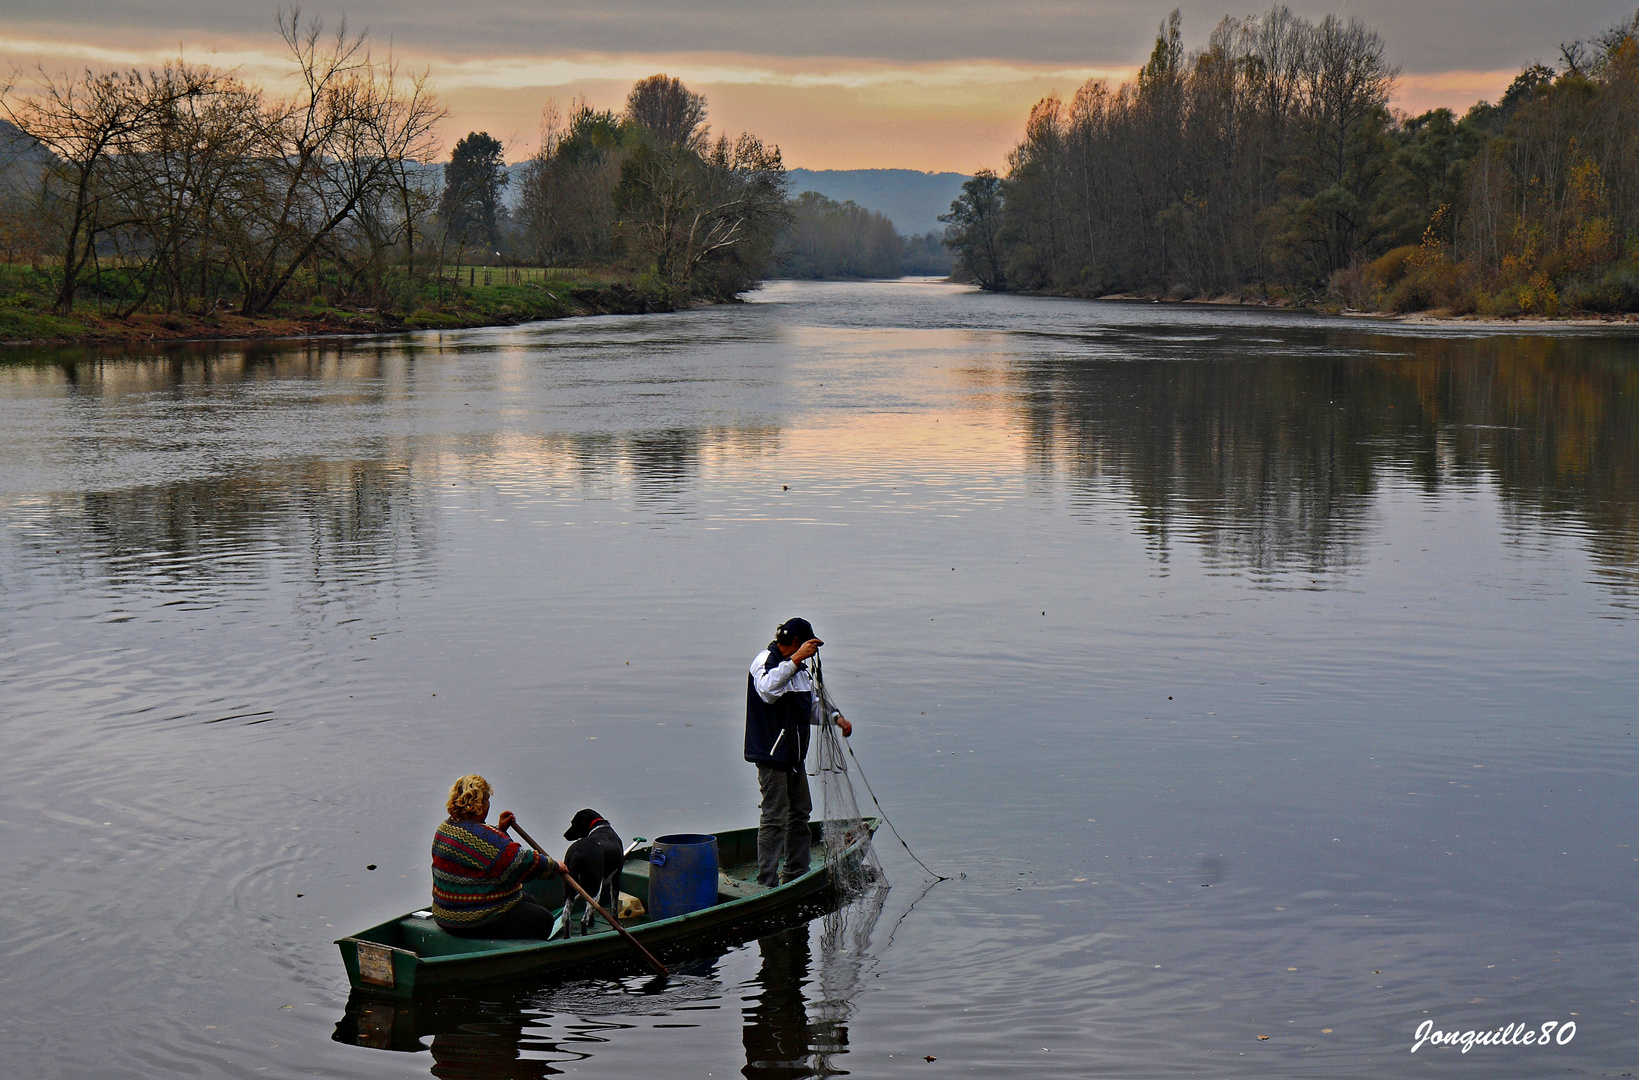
[1264, 675]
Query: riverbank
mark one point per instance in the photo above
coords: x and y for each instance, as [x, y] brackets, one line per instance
[1434, 317]
[1445, 318]
[481, 305]
[21, 323]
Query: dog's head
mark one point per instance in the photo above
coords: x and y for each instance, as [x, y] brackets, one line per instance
[582, 824]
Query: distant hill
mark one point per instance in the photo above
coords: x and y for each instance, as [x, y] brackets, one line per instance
[912, 200]
[21, 158]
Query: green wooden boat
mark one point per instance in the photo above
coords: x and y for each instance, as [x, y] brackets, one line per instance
[411, 955]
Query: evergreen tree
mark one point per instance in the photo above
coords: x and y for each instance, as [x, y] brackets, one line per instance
[973, 229]
[473, 179]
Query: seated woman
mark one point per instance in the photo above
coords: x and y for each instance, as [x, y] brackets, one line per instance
[479, 871]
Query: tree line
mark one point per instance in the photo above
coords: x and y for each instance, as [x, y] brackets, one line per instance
[830, 239]
[185, 189]
[1269, 162]
[649, 187]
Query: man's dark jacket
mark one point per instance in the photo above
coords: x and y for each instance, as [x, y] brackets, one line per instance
[777, 732]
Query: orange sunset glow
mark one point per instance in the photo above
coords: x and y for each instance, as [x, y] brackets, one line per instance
[823, 112]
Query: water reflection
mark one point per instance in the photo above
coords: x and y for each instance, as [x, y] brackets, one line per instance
[348, 522]
[779, 1042]
[496, 1039]
[489, 1052]
[551, 545]
[795, 1015]
[1267, 453]
[1263, 448]
[785, 1039]
[115, 373]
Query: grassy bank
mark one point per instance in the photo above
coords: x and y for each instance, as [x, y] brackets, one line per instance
[466, 297]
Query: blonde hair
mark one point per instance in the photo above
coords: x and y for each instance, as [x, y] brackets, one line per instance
[468, 797]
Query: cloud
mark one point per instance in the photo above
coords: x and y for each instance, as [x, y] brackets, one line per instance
[854, 83]
[1423, 36]
[818, 73]
[514, 71]
[824, 112]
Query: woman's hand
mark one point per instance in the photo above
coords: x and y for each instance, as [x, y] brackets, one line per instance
[505, 821]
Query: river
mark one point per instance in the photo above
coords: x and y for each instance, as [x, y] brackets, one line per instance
[1265, 682]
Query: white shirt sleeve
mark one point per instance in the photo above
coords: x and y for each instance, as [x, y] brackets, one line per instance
[774, 682]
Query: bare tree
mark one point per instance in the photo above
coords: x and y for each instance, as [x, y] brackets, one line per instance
[176, 173]
[341, 140]
[669, 111]
[80, 120]
[685, 212]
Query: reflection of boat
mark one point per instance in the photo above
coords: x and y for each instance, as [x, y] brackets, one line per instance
[410, 954]
[541, 1019]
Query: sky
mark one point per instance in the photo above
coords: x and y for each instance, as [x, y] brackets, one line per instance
[836, 84]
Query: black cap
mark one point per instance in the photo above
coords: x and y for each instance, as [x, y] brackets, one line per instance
[794, 632]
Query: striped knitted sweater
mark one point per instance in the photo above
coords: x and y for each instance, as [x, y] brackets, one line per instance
[478, 873]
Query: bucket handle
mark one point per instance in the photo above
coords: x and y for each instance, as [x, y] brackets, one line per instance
[657, 857]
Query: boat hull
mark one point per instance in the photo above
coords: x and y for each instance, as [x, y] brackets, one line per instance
[410, 955]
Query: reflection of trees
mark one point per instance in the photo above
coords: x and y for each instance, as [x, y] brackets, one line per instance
[1554, 422]
[205, 512]
[363, 514]
[664, 463]
[1253, 461]
[203, 363]
[1268, 461]
[344, 516]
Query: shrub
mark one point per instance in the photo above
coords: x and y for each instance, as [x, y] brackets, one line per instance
[1431, 280]
[1389, 268]
[1617, 290]
[1539, 296]
[1353, 287]
[1503, 303]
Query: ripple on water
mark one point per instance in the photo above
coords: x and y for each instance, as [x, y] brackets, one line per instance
[1126, 599]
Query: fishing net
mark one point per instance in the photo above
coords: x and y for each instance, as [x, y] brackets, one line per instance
[845, 957]
[849, 855]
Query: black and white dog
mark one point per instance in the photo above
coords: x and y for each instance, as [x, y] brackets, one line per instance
[594, 860]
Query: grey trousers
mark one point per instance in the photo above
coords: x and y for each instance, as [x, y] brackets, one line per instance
[782, 829]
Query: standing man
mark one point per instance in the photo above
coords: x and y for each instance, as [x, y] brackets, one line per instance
[781, 706]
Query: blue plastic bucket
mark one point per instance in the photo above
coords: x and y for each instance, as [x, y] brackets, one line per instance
[682, 874]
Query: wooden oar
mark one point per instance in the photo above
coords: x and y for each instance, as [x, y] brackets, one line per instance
[563, 872]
